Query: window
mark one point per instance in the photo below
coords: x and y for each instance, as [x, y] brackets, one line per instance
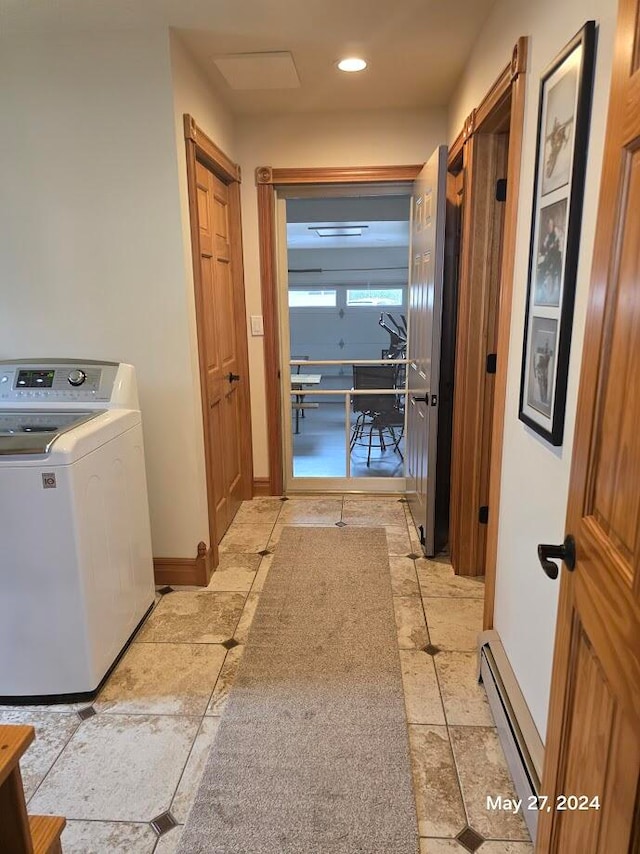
[326, 298]
[374, 296]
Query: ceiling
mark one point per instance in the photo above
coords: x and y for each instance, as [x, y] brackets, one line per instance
[383, 221]
[416, 49]
[302, 235]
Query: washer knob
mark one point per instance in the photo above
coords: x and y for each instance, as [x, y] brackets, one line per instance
[77, 377]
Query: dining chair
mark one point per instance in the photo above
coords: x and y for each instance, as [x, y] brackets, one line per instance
[377, 413]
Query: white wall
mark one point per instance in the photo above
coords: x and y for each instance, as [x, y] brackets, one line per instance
[356, 139]
[535, 476]
[193, 94]
[349, 266]
[92, 257]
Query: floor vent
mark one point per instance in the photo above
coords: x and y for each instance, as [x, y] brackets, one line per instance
[518, 735]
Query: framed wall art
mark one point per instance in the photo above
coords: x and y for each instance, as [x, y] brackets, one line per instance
[561, 154]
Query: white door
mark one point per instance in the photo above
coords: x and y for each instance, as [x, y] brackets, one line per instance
[425, 321]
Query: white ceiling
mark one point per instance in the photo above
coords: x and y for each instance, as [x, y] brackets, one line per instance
[386, 219]
[302, 235]
[416, 49]
[267, 70]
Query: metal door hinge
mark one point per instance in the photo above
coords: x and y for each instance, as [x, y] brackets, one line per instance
[501, 190]
[492, 363]
[483, 515]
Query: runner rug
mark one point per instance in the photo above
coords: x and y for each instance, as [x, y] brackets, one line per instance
[312, 756]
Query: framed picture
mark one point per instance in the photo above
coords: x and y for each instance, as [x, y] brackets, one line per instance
[561, 154]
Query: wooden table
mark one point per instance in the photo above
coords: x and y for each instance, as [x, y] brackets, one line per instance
[298, 382]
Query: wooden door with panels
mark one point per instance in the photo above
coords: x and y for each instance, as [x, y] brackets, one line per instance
[214, 199]
[221, 347]
[593, 739]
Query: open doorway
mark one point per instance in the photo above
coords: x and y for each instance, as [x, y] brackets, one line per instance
[484, 170]
[342, 285]
[369, 180]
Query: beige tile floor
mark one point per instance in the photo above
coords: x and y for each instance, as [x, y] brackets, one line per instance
[140, 749]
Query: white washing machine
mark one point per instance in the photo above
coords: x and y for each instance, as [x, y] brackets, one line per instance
[76, 569]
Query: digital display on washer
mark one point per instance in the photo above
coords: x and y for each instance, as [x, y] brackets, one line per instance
[35, 379]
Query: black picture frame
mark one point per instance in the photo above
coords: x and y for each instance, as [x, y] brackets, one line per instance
[564, 115]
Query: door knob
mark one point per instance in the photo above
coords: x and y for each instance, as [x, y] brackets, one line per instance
[419, 399]
[233, 377]
[565, 552]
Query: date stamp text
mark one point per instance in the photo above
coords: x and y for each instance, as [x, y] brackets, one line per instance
[542, 803]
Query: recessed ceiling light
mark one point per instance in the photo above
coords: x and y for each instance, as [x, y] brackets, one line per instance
[352, 63]
[339, 231]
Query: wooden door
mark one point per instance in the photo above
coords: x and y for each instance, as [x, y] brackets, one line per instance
[425, 317]
[593, 740]
[222, 356]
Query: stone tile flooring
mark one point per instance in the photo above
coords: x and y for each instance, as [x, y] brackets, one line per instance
[125, 772]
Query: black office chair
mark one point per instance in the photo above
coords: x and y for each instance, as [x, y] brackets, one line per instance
[381, 413]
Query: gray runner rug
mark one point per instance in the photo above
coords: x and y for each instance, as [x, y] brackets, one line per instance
[312, 755]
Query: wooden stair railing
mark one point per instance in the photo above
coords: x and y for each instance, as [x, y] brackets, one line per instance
[19, 832]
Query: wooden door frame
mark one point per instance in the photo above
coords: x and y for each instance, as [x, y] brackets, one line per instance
[267, 181]
[478, 282]
[200, 148]
[505, 97]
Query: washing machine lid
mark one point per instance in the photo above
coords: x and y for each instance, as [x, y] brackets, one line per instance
[25, 431]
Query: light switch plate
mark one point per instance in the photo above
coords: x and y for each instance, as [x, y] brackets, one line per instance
[257, 326]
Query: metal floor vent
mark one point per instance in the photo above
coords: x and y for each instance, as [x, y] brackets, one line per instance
[518, 735]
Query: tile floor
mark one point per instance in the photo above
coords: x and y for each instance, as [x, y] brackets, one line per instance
[125, 769]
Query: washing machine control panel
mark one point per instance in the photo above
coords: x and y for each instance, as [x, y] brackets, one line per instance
[44, 382]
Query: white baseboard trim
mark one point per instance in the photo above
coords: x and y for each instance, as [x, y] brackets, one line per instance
[517, 731]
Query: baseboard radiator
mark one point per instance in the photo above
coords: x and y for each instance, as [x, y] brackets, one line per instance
[518, 735]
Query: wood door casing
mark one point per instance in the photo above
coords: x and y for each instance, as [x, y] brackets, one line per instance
[593, 741]
[220, 346]
[501, 111]
[484, 162]
[267, 179]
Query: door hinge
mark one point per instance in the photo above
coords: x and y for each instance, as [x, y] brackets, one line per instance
[483, 514]
[501, 190]
[422, 536]
[492, 363]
